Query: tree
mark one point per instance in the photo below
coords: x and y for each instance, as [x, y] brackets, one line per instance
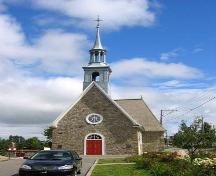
[18, 140]
[4, 144]
[48, 134]
[196, 136]
[33, 143]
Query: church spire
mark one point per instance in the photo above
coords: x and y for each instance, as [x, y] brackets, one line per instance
[97, 69]
[97, 53]
[97, 44]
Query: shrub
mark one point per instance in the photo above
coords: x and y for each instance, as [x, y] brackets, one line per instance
[206, 154]
[144, 163]
[161, 169]
[160, 156]
[166, 157]
[165, 164]
[134, 158]
[181, 165]
[207, 166]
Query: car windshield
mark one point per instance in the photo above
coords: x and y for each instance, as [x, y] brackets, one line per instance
[52, 155]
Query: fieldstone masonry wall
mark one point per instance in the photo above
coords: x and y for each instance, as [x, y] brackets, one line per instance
[152, 141]
[120, 135]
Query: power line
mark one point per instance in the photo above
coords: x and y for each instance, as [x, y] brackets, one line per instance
[203, 103]
[195, 100]
[196, 107]
[171, 112]
[202, 97]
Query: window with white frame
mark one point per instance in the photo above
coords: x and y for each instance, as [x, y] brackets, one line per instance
[94, 119]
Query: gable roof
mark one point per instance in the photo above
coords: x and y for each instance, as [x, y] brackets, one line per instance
[140, 112]
[55, 122]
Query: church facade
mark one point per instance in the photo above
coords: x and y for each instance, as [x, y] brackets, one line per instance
[98, 125]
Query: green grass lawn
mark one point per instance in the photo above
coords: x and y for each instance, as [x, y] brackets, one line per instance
[112, 160]
[118, 170]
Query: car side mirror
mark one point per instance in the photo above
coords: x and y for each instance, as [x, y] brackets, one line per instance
[79, 158]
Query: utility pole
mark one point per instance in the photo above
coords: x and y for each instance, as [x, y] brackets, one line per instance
[162, 114]
[161, 121]
[202, 124]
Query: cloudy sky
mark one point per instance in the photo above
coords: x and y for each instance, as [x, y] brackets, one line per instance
[164, 51]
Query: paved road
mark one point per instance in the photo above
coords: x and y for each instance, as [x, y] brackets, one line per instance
[11, 167]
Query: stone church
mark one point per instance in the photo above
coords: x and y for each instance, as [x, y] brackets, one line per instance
[98, 125]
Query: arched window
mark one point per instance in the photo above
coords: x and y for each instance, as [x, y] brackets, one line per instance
[96, 57]
[95, 76]
[94, 136]
[102, 56]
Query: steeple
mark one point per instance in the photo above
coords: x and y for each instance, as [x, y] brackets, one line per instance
[97, 44]
[97, 69]
[97, 53]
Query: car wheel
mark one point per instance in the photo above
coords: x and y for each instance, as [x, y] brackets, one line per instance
[75, 173]
[79, 172]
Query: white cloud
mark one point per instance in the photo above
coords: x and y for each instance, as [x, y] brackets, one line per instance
[55, 51]
[152, 69]
[116, 13]
[22, 130]
[11, 36]
[52, 21]
[170, 55]
[172, 83]
[26, 100]
[180, 84]
[29, 104]
[197, 50]
[61, 52]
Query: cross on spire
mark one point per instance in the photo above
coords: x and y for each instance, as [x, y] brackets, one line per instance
[98, 21]
[97, 44]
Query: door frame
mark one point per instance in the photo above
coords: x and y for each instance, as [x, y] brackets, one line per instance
[103, 142]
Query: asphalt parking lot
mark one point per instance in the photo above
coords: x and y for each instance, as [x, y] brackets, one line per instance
[11, 167]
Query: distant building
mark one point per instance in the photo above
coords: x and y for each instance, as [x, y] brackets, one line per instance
[98, 125]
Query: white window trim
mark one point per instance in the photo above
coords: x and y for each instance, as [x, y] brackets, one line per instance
[87, 119]
[102, 138]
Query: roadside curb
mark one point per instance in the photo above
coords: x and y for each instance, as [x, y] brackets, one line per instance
[109, 164]
[92, 168]
[8, 159]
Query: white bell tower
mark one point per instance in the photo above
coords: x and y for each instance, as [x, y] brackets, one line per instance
[97, 69]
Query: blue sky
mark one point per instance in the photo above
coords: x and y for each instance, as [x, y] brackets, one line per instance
[162, 50]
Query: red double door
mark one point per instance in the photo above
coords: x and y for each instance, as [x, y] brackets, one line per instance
[94, 147]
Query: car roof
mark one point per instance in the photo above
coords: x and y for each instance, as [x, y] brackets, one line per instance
[56, 151]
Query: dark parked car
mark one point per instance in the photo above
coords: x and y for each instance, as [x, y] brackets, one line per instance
[52, 163]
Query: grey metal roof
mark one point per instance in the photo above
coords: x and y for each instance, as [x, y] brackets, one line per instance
[140, 112]
[97, 44]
